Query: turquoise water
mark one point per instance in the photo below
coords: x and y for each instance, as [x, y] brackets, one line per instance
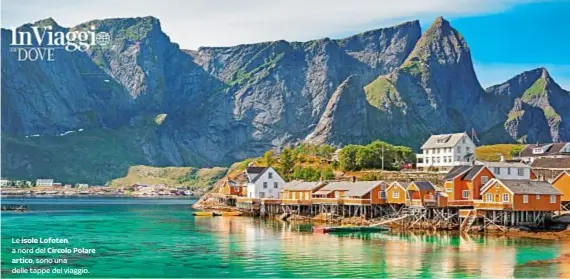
[161, 238]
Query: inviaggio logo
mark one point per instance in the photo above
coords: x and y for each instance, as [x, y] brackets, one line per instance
[40, 42]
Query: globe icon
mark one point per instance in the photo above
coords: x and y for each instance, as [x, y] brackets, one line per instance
[103, 38]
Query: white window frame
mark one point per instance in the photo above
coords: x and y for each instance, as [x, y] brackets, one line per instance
[552, 198]
[270, 175]
[275, 185]
[382, 195]
[489, 197]
[264, 185]
[506, 197]
[484, 179]
[497, 170]
[465, 194]
[538, 197]
[520, 171]
[508, 171]
[525, 198]
[396, 194]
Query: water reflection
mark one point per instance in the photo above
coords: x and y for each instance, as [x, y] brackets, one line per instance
[274, 248]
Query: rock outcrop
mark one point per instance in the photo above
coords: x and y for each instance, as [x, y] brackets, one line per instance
[143, 100]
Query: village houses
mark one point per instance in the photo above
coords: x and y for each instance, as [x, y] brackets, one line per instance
[263, 182]
[509, 170]
[532, 152]
[443, 152]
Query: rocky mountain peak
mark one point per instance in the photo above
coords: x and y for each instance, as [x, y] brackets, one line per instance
[441, 44]
[46, 21]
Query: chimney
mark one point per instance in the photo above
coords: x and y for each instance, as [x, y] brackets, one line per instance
[353, 179]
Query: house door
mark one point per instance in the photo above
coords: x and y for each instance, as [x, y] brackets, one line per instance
[261, 195]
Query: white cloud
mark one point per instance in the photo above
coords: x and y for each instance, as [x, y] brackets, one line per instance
[491, 74]
[228, 22]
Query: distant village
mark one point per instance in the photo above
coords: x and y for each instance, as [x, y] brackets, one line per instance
[530, 189]
[47, 187]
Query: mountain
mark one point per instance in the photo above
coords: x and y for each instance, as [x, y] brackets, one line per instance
[142, 100]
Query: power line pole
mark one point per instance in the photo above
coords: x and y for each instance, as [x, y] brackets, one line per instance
[382, 157]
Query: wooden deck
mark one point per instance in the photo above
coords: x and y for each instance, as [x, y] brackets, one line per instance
[493, 205]
[296, 202]
[349, 201]
[327, 201]
[460, 203]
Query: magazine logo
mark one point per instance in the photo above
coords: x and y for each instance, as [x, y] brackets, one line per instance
[41, 42]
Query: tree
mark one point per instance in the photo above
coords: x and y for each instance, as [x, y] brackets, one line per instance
[327, 173]
[347, 157]
[516, 150]
[268, 156]
[287, 163]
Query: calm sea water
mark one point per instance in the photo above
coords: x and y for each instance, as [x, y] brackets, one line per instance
[161, 238]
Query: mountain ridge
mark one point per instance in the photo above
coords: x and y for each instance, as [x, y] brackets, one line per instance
[153, 103]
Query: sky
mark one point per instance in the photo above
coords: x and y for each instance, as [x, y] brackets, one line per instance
[506, 37]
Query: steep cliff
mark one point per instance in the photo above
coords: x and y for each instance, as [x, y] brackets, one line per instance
[141, 100]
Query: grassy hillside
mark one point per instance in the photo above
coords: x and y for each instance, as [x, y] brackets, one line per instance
[494, 152]
[172, 176]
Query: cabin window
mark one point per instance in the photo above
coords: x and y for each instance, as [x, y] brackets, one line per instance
[382, 194]
[520, 171]
[525, 198]
[463, 140]
[427, 160]
[484, 179]
[537, 150]
[270, 175]
[449, 190]
[489, 197]
[459, 149]
[458, 158]
[497, 170]
[396, 195]
[552, 198]
[262, 195]
[509, 171]
[505, 197]
[467, 149]
[538, 197]
[465, 194]
[264, 185]
[275, 185]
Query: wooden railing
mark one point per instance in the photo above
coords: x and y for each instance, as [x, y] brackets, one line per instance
[352, 201]
[270, 201]
[327, 201]
[247, 200]
[492, 205]
[296, 202]
[460, 203]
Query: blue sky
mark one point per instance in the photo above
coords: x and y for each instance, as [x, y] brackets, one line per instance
[506, 37]
[523, 37]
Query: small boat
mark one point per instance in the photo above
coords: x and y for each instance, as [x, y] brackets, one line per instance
[229, 213]
[14, 207]
[346, 229]
[203, 213]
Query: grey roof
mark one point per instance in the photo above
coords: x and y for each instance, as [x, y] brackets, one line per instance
[473, 171]
[455, 171]
[551, 149]
[254, 173]
[424, 185]
[551, 163]
[505, 164]
[530, 187]
[403, 184]
[354, 189]
[445, 140]
[299, 185]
